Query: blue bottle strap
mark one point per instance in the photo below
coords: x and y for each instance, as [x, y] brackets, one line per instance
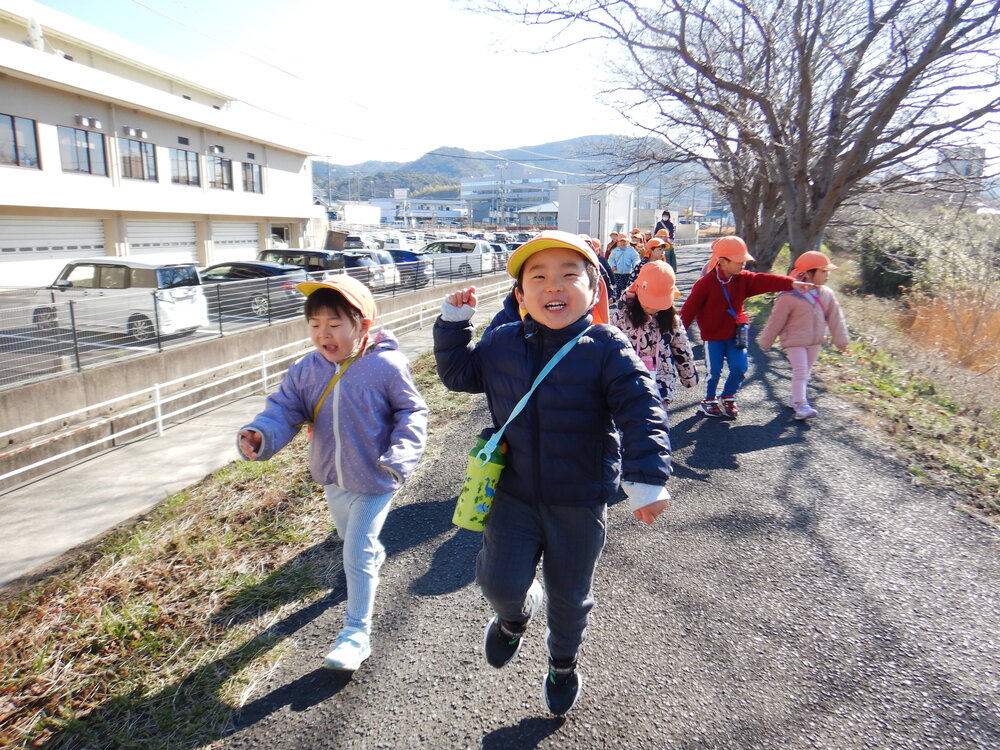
[491, 445]
[729, 302]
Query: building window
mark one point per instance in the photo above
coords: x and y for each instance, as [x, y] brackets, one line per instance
[251, 179]
[220, 173]
[184, 167]
[82, 151]
[18, 142]
[138, 159]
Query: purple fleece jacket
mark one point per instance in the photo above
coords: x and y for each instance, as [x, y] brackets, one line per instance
[371, 428]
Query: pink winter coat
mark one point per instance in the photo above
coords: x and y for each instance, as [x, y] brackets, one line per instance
[801, 319]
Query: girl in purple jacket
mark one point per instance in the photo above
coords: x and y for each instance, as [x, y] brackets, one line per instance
[368, 430]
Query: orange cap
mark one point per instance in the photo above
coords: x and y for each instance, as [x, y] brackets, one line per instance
[731, 248]
[656, 285]
[357, 294]
[811, 260]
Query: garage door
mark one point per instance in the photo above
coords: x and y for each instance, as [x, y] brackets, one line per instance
[234, 240]
[163, 241]
[33, 250]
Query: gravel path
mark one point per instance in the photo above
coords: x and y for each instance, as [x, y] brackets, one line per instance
[799, 593]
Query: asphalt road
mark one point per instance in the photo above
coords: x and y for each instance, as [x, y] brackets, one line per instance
[800, 593]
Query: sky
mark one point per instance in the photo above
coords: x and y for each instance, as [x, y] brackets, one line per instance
[376, 79]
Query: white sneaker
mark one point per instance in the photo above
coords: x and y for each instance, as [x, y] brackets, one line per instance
[352, 648]
[804, 411]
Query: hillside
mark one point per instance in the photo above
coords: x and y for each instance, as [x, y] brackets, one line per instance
[573, 160]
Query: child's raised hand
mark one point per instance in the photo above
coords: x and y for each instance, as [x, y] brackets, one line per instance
[648, 513]
[249, 443]
[467, 297]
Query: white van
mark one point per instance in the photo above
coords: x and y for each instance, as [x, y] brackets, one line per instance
[126, 296]
[460, 257]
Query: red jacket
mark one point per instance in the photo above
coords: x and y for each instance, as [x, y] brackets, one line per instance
[707, 302]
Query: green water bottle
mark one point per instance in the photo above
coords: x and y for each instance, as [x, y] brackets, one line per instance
[481, 476]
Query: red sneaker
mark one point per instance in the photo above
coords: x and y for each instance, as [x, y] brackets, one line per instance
[710, 408]
[729, 407]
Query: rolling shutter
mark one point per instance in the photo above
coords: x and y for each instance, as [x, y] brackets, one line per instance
[33, 250]
[163, 241]
[234, 240]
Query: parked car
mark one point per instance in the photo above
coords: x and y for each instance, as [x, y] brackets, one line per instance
[127, 296]
[385, 264]
[415, 268]
[367, 268]
[359, 242]
[328, 261]
[460, 257]
[265, 288]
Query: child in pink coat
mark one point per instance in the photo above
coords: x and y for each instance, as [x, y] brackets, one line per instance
[800, 320]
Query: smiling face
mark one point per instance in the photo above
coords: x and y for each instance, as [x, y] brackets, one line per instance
[555, 287]
[820, 276]
[334, 335]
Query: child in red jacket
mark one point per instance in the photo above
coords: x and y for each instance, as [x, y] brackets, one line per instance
[716, 303]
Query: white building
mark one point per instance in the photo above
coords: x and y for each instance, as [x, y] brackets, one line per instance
[596, 210]
[497, 201]
[105, 149]
[421, 212]
[542, 215]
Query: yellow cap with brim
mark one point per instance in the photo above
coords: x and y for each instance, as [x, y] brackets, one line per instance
[546, 240]
[357, 294]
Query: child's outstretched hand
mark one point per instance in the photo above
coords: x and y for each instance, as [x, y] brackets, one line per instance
[467, 297]
[249, 443]
[648, 513]
[803, 286]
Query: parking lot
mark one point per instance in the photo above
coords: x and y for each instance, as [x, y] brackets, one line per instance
[44, 333]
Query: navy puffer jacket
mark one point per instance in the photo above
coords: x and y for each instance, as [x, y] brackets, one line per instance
[563, 448]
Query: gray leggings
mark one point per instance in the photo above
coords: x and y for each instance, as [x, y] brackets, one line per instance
[568, 540]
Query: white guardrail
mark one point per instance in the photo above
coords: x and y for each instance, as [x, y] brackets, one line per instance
[270, 366]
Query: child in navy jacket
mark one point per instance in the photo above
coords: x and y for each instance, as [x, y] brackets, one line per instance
[564, 462]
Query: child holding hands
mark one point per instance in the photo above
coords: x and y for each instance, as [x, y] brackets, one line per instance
[563, 463]
[369, 427]
[800, 320]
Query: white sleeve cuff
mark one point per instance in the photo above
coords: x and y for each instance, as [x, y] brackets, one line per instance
[641, 495]
[454, 314]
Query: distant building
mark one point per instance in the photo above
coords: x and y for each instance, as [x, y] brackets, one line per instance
[107, 149]
[596, 210]
[497, 201]
[422, 212]
[543, 215]
[961, 161]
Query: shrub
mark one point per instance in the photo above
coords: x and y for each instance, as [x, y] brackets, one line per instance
[888, 262]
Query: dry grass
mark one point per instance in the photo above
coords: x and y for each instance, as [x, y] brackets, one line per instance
[150, 641]
[963, 325]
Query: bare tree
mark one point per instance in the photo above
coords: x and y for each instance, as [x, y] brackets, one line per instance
[796, 107]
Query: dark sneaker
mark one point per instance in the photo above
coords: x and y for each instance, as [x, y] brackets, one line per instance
[561, 688]
[729, 407]
[502, 641]
[710, 407]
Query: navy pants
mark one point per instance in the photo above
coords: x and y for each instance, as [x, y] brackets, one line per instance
[568, 540]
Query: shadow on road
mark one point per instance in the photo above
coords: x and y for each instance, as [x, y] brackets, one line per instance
[527, 733]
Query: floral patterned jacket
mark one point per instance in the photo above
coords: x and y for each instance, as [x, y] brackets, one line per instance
[671, 355]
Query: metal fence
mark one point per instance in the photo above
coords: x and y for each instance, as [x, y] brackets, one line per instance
[50, 332]
[36, 449]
